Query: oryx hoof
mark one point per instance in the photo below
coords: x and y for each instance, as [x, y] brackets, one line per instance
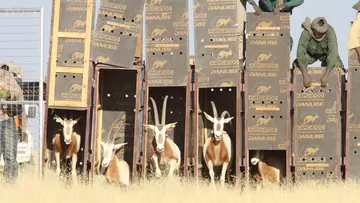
[222, 182]
[158, 174]
[58, 172]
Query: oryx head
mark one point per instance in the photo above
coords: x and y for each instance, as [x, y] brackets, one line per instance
[218, 121]
[109, 150]
[160, 130]
[68, 125]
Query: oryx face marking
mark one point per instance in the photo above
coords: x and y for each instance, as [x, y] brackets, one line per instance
[160, 135]
[160, 130]
[218, 122]
[68, 129]
[109, 150]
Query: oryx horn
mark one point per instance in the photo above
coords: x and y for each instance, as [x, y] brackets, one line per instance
[214, 109]
[224, 113]
[163, 116]
[155, 111]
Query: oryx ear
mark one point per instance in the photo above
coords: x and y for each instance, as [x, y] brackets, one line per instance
[76, 120]
[58, 119]
[171, 126]
[209, 117]
[152, 127]
[226, 120]
[118, 146]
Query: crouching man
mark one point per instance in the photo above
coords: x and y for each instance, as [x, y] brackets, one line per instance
[317, 42]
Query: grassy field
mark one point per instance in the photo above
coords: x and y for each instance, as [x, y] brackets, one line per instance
[30, 189]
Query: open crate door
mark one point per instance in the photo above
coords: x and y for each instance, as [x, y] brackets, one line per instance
[177, 110]
[267, 93]
[218, 61]
[232, 105]
[118, 103]
[55, 129]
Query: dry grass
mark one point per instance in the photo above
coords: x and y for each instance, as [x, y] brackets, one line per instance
[30, 189]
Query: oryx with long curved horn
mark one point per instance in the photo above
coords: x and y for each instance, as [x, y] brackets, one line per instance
[164, 151]
[217, 148]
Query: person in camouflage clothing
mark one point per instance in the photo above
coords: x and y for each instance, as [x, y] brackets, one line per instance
[317, 42]
[10, 91]
[270, 6]
[354, 34]
[22, 120]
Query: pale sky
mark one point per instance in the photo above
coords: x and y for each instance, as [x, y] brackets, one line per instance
[338, 13]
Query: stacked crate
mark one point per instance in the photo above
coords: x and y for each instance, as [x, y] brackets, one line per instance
[69, 72]
[352, 147]
[317, 126]
[267, 88]
[117, 54]
[167, 73]
[218, 34]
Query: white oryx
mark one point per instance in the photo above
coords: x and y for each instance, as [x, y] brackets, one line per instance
[70, 144]
[267, 172]
[217, 148]
[164, 151]
[115, 170]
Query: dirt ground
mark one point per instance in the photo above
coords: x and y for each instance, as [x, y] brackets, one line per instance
[30, 189]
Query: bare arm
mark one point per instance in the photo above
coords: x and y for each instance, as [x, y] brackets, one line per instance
[255, 6]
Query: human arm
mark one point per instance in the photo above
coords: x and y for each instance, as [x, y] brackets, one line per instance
[255, 7]
[332, 58]
[302, 48]
[16, 95]
[289, 4]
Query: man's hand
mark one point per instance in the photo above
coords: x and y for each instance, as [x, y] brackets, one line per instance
[258, 12]
[325, 76]
[279, 8]
[257, 9]
[323, 81]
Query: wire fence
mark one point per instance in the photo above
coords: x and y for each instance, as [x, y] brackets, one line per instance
[21, 89]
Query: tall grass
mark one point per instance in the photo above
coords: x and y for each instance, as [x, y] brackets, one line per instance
[29, 188]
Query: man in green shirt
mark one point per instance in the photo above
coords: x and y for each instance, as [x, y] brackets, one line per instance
[270, 6]
[318, 41]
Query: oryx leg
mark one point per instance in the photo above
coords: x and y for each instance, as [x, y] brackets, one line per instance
[172, 164]
[156, 163]
[211, 172]
[223, 173]
[73, 167]
[57, 158]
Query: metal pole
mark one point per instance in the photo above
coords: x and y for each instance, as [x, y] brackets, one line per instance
[41, 92]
